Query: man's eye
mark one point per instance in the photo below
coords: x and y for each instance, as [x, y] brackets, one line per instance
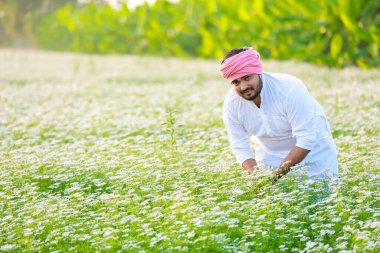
[247, 78]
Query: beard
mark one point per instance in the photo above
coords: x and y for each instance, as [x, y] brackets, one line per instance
[256, 93]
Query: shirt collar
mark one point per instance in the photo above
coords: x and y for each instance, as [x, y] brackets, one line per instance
[264, 89]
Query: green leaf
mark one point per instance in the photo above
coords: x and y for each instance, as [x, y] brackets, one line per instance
[336, 45]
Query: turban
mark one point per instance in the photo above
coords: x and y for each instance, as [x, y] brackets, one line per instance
[244, 63]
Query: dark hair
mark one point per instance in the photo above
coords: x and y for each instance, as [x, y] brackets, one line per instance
[233, 52]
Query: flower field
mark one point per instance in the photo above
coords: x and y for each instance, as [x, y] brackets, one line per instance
[129, 154]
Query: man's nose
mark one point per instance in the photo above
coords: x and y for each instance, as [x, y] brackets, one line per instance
[244, 85]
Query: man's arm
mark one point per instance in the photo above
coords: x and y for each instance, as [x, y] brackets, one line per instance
[301, 112]
[295, 156]
[238, 137]
[249, 165]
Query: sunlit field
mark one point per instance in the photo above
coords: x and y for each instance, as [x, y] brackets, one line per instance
[130, 154]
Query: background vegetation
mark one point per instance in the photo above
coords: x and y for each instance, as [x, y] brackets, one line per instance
[332, 32]
[19, 18]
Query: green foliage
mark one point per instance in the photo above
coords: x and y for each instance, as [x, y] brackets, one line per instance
[337, 32]
[170, 130]
[17, 19]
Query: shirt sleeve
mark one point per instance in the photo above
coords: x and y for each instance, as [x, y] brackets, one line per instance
[237, 135]
[301, 113]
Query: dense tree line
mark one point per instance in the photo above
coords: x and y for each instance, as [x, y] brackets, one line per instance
[332, 32]
[18, 19]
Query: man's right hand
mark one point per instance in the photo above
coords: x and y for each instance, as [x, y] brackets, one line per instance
[249, 165]
[251, 170]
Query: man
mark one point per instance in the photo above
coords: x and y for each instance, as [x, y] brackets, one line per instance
[288, 127]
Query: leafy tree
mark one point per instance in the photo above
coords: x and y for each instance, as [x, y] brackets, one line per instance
[332, 32]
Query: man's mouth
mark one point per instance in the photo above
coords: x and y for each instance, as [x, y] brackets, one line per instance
[246, 91]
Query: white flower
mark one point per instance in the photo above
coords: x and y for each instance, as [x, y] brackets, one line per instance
[190, 234]
[9, 247]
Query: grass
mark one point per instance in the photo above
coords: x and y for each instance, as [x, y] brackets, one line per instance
[129, 154]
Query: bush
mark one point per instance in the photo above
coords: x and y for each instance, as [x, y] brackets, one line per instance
[336, 33]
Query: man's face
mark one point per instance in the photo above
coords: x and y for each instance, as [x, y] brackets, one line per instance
[248, 87]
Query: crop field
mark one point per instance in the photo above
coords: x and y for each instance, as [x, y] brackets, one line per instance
[129, 154]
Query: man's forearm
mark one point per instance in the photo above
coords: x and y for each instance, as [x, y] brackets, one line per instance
[249, 165]
[295, 156]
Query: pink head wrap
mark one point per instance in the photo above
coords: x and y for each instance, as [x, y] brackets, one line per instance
[244, 63]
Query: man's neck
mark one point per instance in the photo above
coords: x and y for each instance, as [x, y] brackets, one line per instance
[257, 101]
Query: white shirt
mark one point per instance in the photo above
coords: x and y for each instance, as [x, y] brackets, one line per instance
[288, 116]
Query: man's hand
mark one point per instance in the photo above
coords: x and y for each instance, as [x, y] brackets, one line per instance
[251, 170]
[281, 171]
[295, 156]
[249, 165]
